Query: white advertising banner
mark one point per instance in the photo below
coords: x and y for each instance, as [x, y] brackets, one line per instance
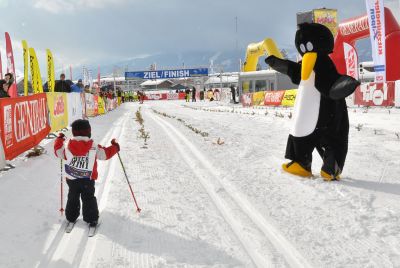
[75, 108]
[351, 58]
[397, 94]
[376, 20]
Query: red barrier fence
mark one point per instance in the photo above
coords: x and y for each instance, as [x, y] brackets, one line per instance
[375, 94]
[23, 123]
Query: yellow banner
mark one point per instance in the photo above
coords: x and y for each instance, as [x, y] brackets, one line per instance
[289, 97]
[327, 17]
[26, 66]
[101, 106]
[50, 71]
[258, 98]
[58, 108]
[35, 72]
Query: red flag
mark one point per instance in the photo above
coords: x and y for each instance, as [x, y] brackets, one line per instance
[12, 91]
[98, 76]
[1, 69]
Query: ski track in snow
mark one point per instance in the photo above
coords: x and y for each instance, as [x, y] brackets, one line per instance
[209, 205]
[219, 191]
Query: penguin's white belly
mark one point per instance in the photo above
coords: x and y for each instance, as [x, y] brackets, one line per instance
[306, 108]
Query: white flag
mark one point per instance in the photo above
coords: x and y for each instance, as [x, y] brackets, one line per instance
[376, 20]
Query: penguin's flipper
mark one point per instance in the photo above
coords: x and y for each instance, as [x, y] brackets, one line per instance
[343, 87]
[290, 68]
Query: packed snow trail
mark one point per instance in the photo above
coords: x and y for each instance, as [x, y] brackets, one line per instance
[272, 234]
[207, 203]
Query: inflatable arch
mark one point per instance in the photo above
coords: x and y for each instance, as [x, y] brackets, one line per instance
[256, 50]
[358, 28]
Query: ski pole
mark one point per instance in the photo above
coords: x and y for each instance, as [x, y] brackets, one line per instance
[61, 186]
[126, 176]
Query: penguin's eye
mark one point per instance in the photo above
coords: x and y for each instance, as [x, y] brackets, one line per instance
[302, 48]
[309, 46]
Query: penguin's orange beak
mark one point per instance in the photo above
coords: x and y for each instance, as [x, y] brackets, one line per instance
[307, 64]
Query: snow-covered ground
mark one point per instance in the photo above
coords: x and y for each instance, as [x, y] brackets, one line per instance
[212, 194]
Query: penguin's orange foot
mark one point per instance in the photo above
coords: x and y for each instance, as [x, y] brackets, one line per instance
[330, 177]
[296, 169]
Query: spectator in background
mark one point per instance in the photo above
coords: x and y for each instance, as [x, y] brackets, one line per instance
[217, 94]
[80, 84]
[9, 78]
[62, 85]
[233, 92]
[202, 94]
[210, 94]
[194, 94]
[87, 89]
[187, 94]
[76, 88]
[4, 89]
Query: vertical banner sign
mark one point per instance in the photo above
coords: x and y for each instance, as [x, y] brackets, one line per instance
[12, 91]
[351, 58]
[26, 65]
[50, 71]
[1, 69]
[98, 75]
[36, 77]
[376, 20]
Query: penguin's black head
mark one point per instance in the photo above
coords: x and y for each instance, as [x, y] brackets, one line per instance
[314, 37]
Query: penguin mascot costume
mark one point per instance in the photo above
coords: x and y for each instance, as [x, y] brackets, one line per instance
[320, 113]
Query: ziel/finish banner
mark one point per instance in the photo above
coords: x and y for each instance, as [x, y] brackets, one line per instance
[167, 74]
[376, 20]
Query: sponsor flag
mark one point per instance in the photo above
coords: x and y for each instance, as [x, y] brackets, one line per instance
[1, 69]
[351, 58]
[376, 20]
[50, 71]
[25, 50]
[12, 91]
[35, 72]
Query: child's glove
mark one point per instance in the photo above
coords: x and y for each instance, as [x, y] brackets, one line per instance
[115, 143]
[61, 136]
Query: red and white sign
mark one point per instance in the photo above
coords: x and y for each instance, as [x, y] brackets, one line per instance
[273, 98]
[173, 96]
[12, 91]
[375, 94]
[246, 99]
[376, 20]
[351, 59]
[155, 96]
[23, 123]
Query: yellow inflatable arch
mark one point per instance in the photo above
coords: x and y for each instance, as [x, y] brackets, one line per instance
[256, 50]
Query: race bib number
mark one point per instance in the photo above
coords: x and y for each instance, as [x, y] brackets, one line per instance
[80, 167]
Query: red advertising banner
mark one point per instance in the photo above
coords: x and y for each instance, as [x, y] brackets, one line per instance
[375, 94]
[23, 123]
[1, 68]
[96, 104]
[12, 91]
[273, 98]
[155, 96]
[246, 99]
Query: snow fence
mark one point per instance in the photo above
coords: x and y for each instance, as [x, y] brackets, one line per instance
[367, 94]
[25, 121]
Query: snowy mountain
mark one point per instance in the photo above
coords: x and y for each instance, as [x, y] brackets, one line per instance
[228, 61]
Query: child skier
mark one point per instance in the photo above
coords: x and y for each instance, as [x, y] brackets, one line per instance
[81, 155]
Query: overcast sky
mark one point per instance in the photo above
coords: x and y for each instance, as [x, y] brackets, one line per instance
[100, 31]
